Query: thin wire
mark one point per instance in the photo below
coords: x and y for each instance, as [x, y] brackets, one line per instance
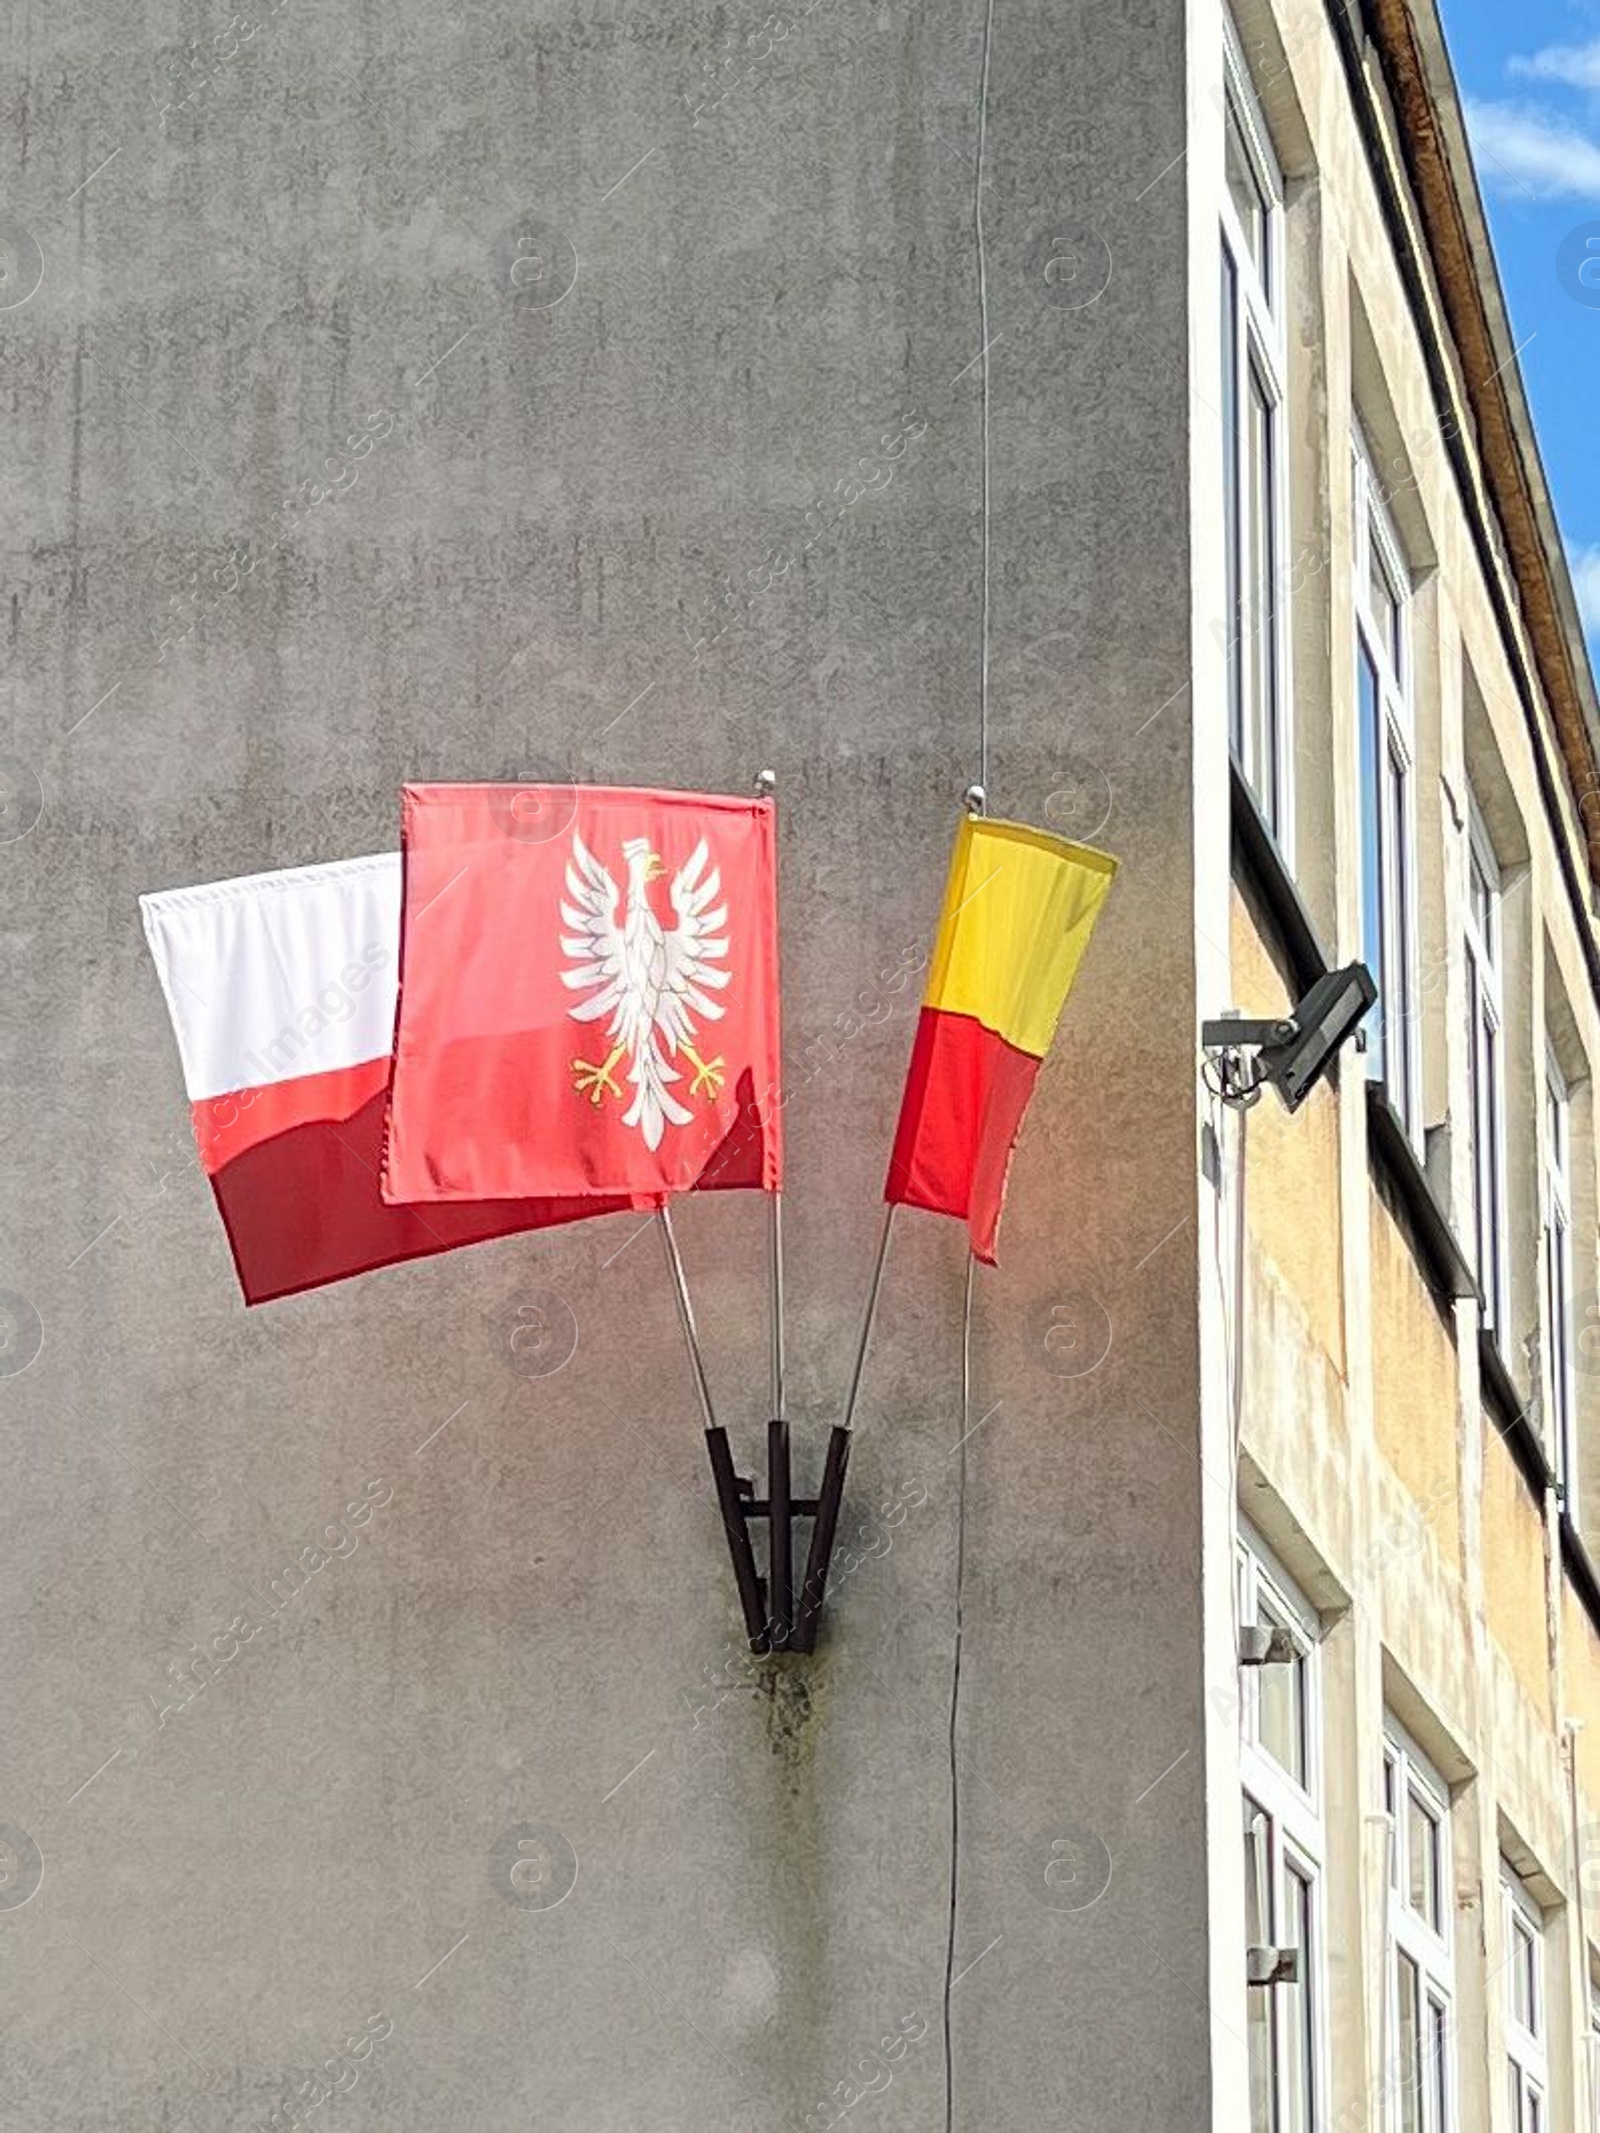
[983, 332]
[955, 1692]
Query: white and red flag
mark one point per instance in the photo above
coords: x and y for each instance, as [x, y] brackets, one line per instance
[588, 995]
[282, 994]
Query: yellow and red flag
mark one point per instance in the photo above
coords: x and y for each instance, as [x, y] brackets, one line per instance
[588, 995]
[1019, 907]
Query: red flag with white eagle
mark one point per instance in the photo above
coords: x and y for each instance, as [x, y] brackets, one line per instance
[282, 989]
[588, 994]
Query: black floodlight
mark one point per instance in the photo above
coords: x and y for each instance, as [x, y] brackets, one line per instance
[1294, 1051]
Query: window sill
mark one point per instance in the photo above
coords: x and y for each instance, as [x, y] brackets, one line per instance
[1412, 1199]
[1261, 870]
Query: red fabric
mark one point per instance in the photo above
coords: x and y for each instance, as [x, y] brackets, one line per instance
[294, 1166]
[483, 1102]
[966, 1092]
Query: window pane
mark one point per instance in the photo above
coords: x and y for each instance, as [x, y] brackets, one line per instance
[1389, 1810]
[1232, 518]
[1383, 599]
[1244, 189]
[1372, 934]
[1299, 2088]
[1408, 2040]
[1396, 865]
[1522, 1993]
[1480, 898]
[1257, 1871]
[1281, 1706]
[1490, 1276]
[1437, 2067]
[1260, 709]
[1258, 1998]
[1422, 1860]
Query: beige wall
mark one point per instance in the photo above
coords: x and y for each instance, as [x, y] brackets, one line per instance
[1369, 1462]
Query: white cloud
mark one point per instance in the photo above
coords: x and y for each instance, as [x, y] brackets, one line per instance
[1586, 583]
[1523, 149]
[1578, 65]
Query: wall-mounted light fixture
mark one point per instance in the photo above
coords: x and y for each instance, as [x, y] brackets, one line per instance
[1291, 1052]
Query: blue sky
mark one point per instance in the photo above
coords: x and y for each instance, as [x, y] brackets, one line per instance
[1530, 79]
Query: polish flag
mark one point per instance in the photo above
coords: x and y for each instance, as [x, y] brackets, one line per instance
[282, 991]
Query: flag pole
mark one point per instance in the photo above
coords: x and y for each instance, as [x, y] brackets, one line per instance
[775, 1286]
[871, 1314]
[729, 1493]
[766, 789]
[686, 1316]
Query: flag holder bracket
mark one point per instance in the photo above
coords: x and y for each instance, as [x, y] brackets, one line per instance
[777, 1618]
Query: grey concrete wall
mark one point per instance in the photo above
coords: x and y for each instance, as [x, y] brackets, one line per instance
[627, 323]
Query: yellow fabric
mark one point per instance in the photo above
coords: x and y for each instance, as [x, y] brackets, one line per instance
[1019, 907]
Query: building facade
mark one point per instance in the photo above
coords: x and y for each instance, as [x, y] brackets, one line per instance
[1405, 1276]
[1110, 406]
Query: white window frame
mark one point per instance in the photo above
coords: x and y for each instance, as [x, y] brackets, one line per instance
[1486, 1071]
[1557, 1241]
[1412, 1935]
[1255, 340]
[1394, 750]
[1594, 2057]
[1294, 1838]
[1527, 2052]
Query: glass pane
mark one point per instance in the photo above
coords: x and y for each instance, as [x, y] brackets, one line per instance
[1530, 1986]
[1522, 1993]
[1232, 521]
[1368, 714]
[1383, 598]
[1408, 2041]
[1258, 1998]
[1480, 898]
[1299, 2087]
[1250, 203]
[1438, 2064]
[1281, 1706]
[1257, 1869]
[1389, 1810]
[1490, 1277]
[1259, 667]
[1397, 927]
[1422, 1860]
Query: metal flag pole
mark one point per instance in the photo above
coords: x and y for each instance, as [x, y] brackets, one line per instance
[766, 789]
[871, 1314]
[780, 1622]
[686, 1316]
[728, 1491]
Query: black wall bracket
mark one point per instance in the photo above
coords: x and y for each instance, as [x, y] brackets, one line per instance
[776, 1617]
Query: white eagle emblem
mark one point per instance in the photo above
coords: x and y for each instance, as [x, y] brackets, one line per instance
[649, 981]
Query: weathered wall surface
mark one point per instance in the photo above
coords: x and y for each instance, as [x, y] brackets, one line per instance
[425, 394]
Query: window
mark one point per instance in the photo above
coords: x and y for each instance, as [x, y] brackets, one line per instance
[1283, 1844]
[1529, 2072]
[1420, 1983]
[1485, 1070]
[1388, 796]
[1254, 485]
[1558, 1281]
